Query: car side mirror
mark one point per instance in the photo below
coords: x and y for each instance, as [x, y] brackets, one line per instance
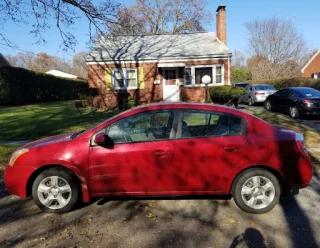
[100, 139]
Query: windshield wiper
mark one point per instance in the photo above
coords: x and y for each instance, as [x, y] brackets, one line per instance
[76, 134]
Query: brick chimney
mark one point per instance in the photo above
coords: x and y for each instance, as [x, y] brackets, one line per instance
[221, 22]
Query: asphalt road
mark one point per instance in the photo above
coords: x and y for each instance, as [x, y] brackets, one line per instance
[295, 222]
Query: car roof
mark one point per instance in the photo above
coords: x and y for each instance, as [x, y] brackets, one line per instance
[299, 88]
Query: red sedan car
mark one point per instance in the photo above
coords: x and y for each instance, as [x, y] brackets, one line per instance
[164, 149]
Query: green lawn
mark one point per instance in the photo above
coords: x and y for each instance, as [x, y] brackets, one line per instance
[35, 121]
[31, 122]
[5, 151]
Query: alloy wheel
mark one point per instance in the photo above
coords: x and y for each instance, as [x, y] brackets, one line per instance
[54, 192]
[294, 112]
[258, 192]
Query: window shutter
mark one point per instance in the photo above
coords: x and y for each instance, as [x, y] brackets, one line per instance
[108, 78]
[140, 78]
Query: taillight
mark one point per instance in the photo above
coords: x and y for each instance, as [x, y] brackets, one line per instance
[307, 101]
[259, 93]
[301, 144]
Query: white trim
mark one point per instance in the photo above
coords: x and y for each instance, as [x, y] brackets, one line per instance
[151, 61]
[123, 72]
[172, 65]
[213, 76]
[309, 62]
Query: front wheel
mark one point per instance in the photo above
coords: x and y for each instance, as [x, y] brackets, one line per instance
[256, 191]
[55, 191]
[267, 105]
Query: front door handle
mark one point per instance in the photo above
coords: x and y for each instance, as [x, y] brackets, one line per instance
[159, 153]
[232, 148]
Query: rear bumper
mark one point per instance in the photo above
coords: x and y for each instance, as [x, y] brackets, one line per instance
[16, 179]
[303, 173]
[259, 98]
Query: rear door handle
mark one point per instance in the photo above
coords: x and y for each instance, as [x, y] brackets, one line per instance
[232, 148]
[161, 153]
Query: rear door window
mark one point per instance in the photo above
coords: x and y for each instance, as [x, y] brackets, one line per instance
[208, 124]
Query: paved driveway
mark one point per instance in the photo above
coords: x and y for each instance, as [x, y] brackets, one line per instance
[163, 223]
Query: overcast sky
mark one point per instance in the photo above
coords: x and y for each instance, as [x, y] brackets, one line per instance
[305, 15]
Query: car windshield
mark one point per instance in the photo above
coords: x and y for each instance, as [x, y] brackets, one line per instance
[308, 92]
[243, 85]
[264, 87]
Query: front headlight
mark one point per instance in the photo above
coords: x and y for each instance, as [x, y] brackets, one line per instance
[16, 155]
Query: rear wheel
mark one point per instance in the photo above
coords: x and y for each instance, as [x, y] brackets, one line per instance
[256, 191]
[267, 105]
[293, 111]
[55, 191]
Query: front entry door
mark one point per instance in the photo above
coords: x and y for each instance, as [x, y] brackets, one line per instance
[170, 85]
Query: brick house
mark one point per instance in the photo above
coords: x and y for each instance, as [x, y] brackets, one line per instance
[155, 68]
[312, 68]
[4, 61]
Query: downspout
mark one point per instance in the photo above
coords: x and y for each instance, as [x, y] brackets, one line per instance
[229, 83]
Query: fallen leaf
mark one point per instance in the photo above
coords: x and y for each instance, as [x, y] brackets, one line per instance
[232, 220]
[150, 215]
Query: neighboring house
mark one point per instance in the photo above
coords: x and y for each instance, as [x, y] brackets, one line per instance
[4, 61]
[312, 68]
[61, 74]
[159, 67]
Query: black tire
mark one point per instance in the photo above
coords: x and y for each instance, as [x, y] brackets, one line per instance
[52, 182]
[250, 102]
[267, 105]
[293, 112]
[263, 195]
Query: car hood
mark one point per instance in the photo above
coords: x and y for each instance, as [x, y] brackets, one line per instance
[49, 140]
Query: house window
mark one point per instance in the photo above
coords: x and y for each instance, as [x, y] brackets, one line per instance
[193, 75]
[202, 71]
[218, 74]
[124, 78]
[187, 76]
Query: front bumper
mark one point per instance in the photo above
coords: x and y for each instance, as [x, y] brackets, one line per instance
[16, 179]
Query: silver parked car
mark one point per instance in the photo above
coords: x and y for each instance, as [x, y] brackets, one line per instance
[256, 93]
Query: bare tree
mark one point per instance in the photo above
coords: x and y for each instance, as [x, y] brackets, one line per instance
[162, 16]
[276, 46]
[79, 65]
[129, 22]
[41, 62]
[262, 68]
[65, 14]
[21, 59]
[238, 60]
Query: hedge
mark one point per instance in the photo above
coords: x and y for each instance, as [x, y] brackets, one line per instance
[19, 86]
[290, 82]
[226, 94]
[240, 75]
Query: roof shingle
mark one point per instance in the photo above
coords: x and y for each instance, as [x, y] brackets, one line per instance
[158, 47]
